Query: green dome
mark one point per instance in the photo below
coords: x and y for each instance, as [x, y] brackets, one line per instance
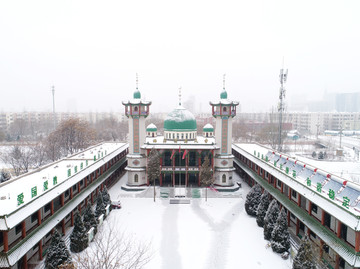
[137, 94]
[180, 119]
[223, 95]
[151, 128]
[208, 128]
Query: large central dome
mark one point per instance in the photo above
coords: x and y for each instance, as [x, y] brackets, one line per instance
[180, 119]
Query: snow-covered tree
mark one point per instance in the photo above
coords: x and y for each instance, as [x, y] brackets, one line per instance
[106, 196]
[112, 249]
[206, 175]
[280, 238]
[253, 200]
[270, 219]
[262, 208]
[79, 237]
[153, 167]
[57, 253]
[90, 219]
[100, 206]
[304, 259]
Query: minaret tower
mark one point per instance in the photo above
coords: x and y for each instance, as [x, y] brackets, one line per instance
[223, 111]
[136, 110]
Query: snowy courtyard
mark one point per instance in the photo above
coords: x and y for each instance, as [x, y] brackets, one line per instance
[213, 234]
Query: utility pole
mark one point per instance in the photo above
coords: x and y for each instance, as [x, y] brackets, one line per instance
[54, 116]
[281, 107]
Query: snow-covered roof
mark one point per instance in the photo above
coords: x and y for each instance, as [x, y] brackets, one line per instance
[151, 127]
[180, 119]
[348, 214]
[36, 235]
[200, 142]
[226, 102]
[341, 247]
[22, 196]
[136, 102]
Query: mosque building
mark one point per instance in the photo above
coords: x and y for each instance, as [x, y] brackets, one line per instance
[182, 149]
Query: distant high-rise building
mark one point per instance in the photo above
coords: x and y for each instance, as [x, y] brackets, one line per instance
[347, 102]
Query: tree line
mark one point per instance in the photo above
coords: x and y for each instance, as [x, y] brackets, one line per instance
[69, 137]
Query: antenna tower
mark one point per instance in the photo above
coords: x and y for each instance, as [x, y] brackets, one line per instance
[281, 108]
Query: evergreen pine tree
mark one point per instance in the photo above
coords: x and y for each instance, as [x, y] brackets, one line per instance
[253, 200]
[206, 175]
[100, 207]
[262, 208]
[79, 237]
[57, 253]
[106, 196]
[90, 219]
[304, 258]
[153, 167]
[270, 219]
[280, 238]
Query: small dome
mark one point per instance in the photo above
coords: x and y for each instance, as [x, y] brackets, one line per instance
[180, 119]
[223, 95]
[137, 94]
[151, 128]
[208, 128]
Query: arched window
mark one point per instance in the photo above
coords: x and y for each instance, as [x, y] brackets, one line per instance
[136, 178]
[223, 178]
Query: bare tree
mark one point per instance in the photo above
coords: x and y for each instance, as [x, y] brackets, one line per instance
[69, 137]
[206, 175]
[19, 158]
[111, 250]
[39, 156]
[53, 147]
[153, 168]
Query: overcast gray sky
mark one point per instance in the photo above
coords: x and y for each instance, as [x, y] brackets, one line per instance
[91, 50]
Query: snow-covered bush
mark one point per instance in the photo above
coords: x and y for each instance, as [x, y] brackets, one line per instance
[79, 236]
[90, 219]
[253, 200]
[304, 258]
[57, 253]
[100, 206]
[270, 219]
[262, 208]
[280, 238]
[106, 196]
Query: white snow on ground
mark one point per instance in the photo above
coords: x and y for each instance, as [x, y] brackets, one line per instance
[213, 234]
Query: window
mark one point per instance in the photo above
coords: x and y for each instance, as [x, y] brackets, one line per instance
[266, 175]
[279, 183]
[293, 193]
[312, 234]
[1, 238]
[67, 193]
[223, 178]
[47, 207]
[136, 178]
[34, 217]
[18, 228]
[224, 108]
[136, 109]
[207, 134]
[261, 171]
[74, 187]
[292, 216]
[314, 208]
